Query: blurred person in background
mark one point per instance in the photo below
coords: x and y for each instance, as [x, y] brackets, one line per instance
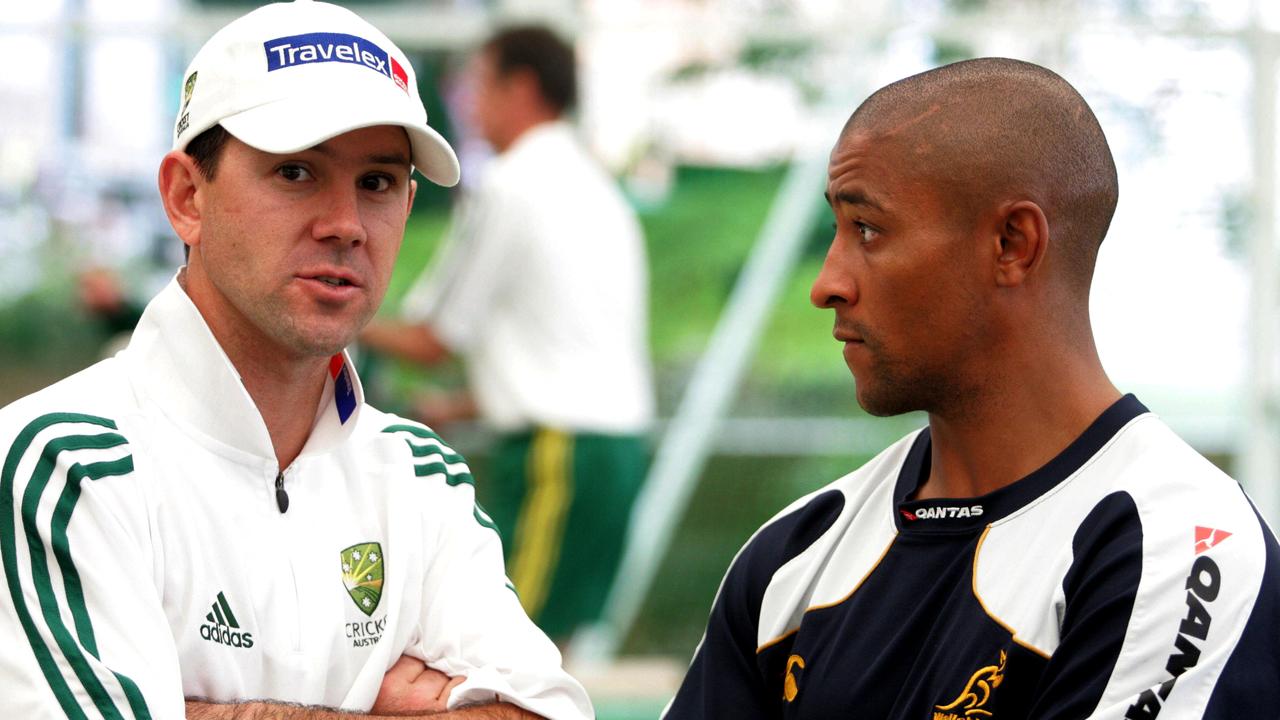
[213, 523]
[120, 241]
[114, 285]
[1047, 548]
[541, 288]
[102, 294]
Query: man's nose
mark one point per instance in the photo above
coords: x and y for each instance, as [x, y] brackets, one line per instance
[339, 216]
[834, 284]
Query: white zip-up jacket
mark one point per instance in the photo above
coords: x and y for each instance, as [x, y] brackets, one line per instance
[147, 559]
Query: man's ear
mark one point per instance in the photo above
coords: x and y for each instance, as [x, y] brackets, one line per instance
[413, 192]
[180, 184]
[1023, 242]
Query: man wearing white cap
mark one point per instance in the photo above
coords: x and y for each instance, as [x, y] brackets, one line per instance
[213, 523]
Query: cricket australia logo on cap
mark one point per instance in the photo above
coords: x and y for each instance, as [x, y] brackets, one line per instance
[188, 88]
[295, 50]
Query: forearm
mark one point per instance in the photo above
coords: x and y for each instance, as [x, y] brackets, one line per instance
[495, 711]
[261, 710]
[407, 341]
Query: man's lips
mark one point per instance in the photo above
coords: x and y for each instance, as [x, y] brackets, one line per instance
[332, 276]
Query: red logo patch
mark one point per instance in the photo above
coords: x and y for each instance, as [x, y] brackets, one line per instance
[1208, 537]
[907, 514]
[399, 75]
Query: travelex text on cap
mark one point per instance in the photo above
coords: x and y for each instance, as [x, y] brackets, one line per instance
[289, 76]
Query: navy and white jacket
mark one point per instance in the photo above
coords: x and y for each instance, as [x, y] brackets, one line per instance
[1127, 578]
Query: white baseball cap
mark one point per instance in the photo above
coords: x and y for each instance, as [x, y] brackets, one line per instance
[289, 76]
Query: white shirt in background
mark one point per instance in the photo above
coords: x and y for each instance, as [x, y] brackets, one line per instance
[542, 287]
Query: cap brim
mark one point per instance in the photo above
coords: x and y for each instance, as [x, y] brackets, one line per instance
[295, 124]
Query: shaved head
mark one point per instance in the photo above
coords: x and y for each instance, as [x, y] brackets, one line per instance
[991, 130]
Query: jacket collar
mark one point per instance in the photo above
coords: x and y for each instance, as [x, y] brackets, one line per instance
[176, 362]
[967, 515]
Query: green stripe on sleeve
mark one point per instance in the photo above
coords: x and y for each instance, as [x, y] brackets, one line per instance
[454, 479]
[65, 696]
[417, 430]
[137, 703]
[62, 548]
[9, 551]
[30, 504]
[40, 564]
[447, 457]
[442, 450]
[484, 520]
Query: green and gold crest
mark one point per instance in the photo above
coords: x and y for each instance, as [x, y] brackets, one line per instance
[362, 575]
[187, 88]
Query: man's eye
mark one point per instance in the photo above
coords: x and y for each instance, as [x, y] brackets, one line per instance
[866, 233]
[376, 183]
[294, 173]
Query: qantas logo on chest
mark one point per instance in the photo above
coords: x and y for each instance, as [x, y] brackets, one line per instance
[310, 48]
[942, 513]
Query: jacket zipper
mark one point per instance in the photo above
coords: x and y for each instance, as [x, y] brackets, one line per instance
[282, 503]
[282, 497]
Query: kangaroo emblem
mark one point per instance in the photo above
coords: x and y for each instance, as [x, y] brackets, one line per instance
[789, 687]
[978, 691]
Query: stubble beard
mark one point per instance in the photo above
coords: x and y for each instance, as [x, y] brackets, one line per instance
[300, 332]
[893, 386]
[293, 331]
[887, 395]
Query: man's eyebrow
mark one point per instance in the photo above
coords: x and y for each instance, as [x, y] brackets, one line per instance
[853, 197]
[390, 159]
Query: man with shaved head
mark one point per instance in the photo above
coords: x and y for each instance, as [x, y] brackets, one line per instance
[1046, 548]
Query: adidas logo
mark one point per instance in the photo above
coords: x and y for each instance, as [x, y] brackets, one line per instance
[222, 626]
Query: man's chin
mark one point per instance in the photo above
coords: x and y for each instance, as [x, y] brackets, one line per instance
[322, 342]
[883, 402]
[327, 334]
